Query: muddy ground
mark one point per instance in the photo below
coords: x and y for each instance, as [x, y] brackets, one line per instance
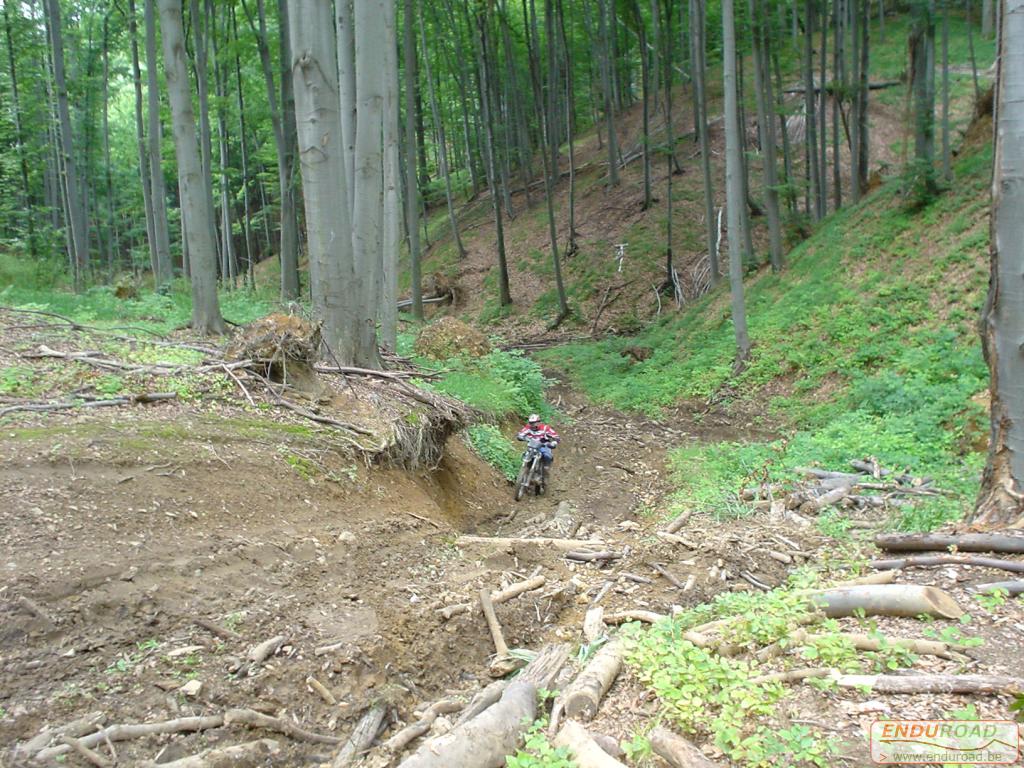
[124, 532]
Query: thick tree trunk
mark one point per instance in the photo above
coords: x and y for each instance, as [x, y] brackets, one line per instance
[922, 63]
[392, 224]
[947, 170]
[988, 18]
[196, 207]
[158, 192]
[1001, 501]
[735, 199]
[79, 252]
[229, 259]
[570, 128]
[638, 19]
[347, 82]
[412, 202]
[200, 20]
[19, 138]
[697, 53]
[863, 149]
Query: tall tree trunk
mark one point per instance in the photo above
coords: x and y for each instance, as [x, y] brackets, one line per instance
[864, 147]
[202, 70]
[766, 132]
[922, 63]
[504, 295]
[347, 82]
[112, 245]
[250, 258]
[196, 206]
[735, 199]
[79, 252]
[810, 113]
[321, 148]
[570, 127]
[974, 59]
[369, 17]
[392, 224]
[988, 18]
[412, 205]
[823, 112]
[698, 64]
[140, 138]
[947, 170]
[1001, 500]
[670, 145]
[787, 154]
[229, 260]
[645, 119]
[838, 91]
[441, 141]
[282, 120]
[19, 138]
[607, 80]
[161, 230]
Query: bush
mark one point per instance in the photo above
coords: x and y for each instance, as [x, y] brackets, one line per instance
[494, 448]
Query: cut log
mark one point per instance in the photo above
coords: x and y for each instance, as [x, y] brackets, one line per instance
[248, 755]
[888, 600]
[624, 617]
[593, 624]
[482, 700]
[921, 561]
[586, 752]
[862, 642]
[485, 740]
[678, 523]
[825, 474]
[503, 663]
[362, 736]
[501, 596]
[909, 684]
[966, 542]
[583, 696]
[677, 751]
[829, 498]
[1011, 587]
[506, 542]
[589, 557]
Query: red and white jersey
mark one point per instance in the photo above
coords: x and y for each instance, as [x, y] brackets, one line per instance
[538, 431]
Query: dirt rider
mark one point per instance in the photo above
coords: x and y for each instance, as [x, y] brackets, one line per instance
[536, 429]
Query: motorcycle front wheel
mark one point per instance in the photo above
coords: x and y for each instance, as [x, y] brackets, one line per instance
[522, 481]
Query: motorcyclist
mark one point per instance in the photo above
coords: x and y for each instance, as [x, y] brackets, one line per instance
[536, 429]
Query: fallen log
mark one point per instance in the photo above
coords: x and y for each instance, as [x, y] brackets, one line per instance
[501, 596]
[584, 749]
[677, 751]
[78, 727]
[678, 523]
[887, 600]
[485, 740]
[899, 563]
[965, 542]
[861, 642]
[593, 624]
[503, 663]
[829, 498]
[482, 700]
[362, 736]
[583, 696]
[909, 684]
[248, 755]
[791, 676]
[624, 617]
[506, 542]
[1010, 587]
[85, 753]
[589, 557]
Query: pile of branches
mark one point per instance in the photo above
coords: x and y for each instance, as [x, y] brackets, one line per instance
[869, 486]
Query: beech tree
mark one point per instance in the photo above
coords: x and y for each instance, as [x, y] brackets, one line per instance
[196, 204]
[1001, 501]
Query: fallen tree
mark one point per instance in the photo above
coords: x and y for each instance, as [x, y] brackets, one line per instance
[583, 696]
[965, 542]
[922, 561]
[887, 600]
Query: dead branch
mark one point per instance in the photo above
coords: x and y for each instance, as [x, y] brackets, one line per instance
[502, 664]
[261, 652]
[1011, 587]
[910, 684]
[791, 676]
[589, 557]
[501, 596]
[321, 690]
[83, 751]
[677, 751]
[678, 523]
[624, 617]
[35, 609]
[667, 576]
[484, 698]
[362, 736]
[966, 542]
[135, 731]
[147, 397]
[216, 629]
[926, 560]
[404, 737]
[254, 719]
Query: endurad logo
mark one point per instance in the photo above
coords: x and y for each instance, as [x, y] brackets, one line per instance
[968, 742]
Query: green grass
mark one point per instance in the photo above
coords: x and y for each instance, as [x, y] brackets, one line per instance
[864, 346]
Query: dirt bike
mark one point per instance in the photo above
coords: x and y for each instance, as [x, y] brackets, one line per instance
[531, 472]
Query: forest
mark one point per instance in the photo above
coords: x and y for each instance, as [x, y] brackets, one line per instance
[298, 300]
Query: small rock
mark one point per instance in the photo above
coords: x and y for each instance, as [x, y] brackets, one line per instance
[346, 537]
[192, 688]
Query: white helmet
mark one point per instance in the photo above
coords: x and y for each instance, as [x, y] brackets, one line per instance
[534, 419]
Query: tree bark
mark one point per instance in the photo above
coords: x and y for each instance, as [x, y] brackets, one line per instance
[607, 77]
[412, 203]
[735, 199]
[250, 262]
[392, 224]
[140, 139]
[19, 138]
[196, 207]
[79, 252]
[810, 114]
[766, 126]
[202, 70]
[922, 62]
[1001, 500]
[158, 192]
[698, 65]
[347, 82]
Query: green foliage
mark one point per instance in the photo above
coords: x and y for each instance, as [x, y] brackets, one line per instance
[500, 384]
[539, 752]
[496, 449]
[992, 600]
[17, 380]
